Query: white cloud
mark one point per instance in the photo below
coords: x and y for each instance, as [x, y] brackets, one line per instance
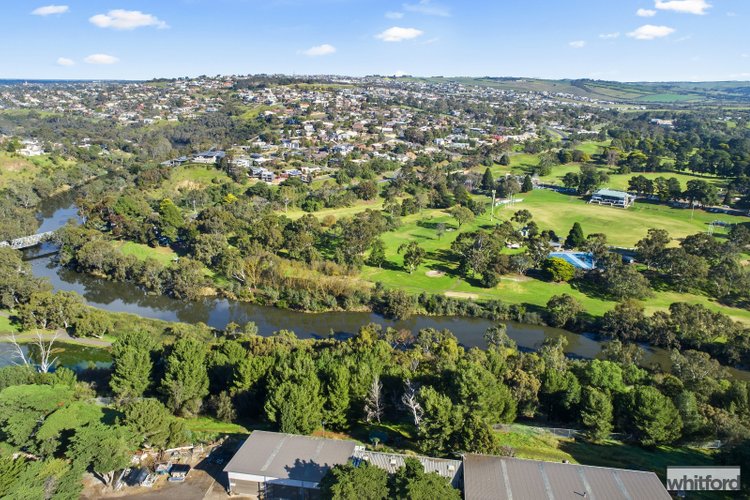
[610, 36]
[578, 44]
[645, 12]
[120, 19]
[428, 8]
[100, 59]
[49, 10]
[650, 32]
[398, 34]
[394, 15]
[64, 61]
[697, 7]
[320, 50]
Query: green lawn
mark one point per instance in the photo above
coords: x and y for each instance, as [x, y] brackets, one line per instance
[556, 211]
[164, 255]
[551, 210]
[188, 177]
[360, 206]
[528, 442]
[15, 168]
[5, 325]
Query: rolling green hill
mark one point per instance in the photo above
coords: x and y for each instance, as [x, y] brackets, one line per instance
[737, 93]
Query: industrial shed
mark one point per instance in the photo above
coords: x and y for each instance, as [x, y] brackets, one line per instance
[488, 477]
[271, 464]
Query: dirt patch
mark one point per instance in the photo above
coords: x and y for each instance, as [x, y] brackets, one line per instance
[188, 185]
[435, 274]
[15, 165]
[517, 279]
[461, 295]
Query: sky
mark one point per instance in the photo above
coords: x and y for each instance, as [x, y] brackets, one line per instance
[624, 40]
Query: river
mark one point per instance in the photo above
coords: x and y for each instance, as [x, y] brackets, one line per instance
[217, 313]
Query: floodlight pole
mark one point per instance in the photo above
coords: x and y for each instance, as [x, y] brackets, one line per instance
[492, 210]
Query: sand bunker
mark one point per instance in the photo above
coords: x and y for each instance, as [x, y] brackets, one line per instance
[461, 295]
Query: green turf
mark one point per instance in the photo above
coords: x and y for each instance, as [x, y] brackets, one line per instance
[531, 443]
[5, 325]
[163, 255]
[551, 210]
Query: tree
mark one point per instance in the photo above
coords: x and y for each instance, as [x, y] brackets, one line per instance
[24, 407]
[186, 279]
[347, 482]
[337, 399]
[558, 269]
[44, 347]
[439, 422]
[481, 394]
[624, 282]
[651, 248]
[104, 448]
[185, 381]
[653, 417]
[410, 401]
[222, 406]
[93, 323]
[521, 216]
[294, 402]
[496, 337]
[374, 401]
[412, 482]
[596, 414]
[527, 186]
[562, 310]
[504, 160]
[377, 253]
[413, 255]
[575, 237]
[152, 422]
[488, 182]
[131, 365]
[440, 230]
[462, 215]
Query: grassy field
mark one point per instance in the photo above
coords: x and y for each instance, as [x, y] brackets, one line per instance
[551, 210]
[189, 177]
[360, 206]
[164, 255]
[624, 228]
[531, 443]
[5, 325]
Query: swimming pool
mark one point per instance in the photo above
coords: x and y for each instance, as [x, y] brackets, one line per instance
[581, 260]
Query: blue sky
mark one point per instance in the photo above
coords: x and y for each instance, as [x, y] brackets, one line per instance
[627, 40]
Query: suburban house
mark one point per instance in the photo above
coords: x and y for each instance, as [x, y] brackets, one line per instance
[275, 465]
[209, 157]
[613, 198]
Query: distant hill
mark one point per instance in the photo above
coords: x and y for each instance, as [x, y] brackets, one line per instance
[636, 92]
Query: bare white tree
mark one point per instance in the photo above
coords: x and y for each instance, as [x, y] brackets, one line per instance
[410, 401]
[374, 401]
[46, 361]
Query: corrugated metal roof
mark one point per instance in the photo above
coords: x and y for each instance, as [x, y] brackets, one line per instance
[501, 478]
[612, 193]
[391, 462]
[288, 456]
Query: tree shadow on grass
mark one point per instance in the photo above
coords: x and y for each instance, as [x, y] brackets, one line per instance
[627, 456]
[590, 289]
